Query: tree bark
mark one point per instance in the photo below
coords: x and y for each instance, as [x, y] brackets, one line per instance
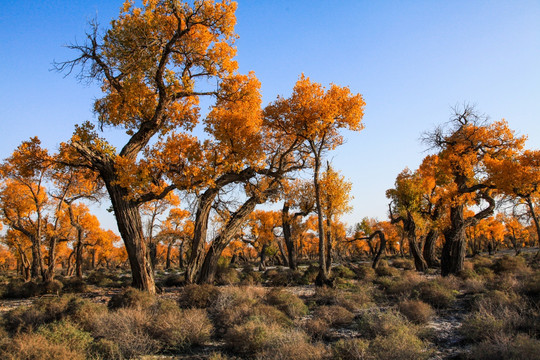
[323, 276]
[168, 259]
[382, 248]
[454, 248]
[429, 248]
[128, 219]
[288, 237]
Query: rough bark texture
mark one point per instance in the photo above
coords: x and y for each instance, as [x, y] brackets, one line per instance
[323, 276]
[429, 248]
[288, 237]
[454, 248]
[382, 248]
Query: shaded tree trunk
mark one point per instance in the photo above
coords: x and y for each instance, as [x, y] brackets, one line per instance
[382, 248]
[168, 258]
[454, 248]
[429, 248]
[282, 253]
[288, 237]
[262, 257]
[323, 275]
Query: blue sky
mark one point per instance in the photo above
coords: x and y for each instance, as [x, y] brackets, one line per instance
[411, 60]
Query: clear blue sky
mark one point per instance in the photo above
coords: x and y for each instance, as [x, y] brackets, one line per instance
[411, 60]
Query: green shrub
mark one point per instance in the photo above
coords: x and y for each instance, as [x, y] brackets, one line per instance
[344, 272]
[83, 312]
[287, 302]
[440, 293]
[365, 272]
[385, 270]
[310, 274]
[43, 311]
[374, 323]
[66, 334]
[227, 276]
[198, 296]
[132, 297]
[18, 289]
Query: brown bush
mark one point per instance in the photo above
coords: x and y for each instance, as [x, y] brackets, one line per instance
[43, 311]
[334, 315]
[509, 348]
[316, 328]
[348, 349]
[30, 346]
[385, 270]
[287, 302]
[400, 345]
[227, 276]
[83, 312]
[416, 311]
[132, 298]
[66, 334]
[440, 293]
[403, 263]
[375, 323]
[198, 296]
[127, 328]
[511, 264]
[365, 272]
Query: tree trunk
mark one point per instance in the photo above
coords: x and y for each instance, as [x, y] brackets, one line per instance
[382, 248]
[454, 248]
[181, 255]
[534, 217]
[168, 259]
[282, 253]
[128, 219]
[322, 278]
[79, 255]
[209, 266]
[287, 236]
[197, 255]
[429, 248]
[328, 245]
[93, 258]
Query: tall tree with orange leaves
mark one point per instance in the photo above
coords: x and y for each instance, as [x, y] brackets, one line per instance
[153, 63]
[465, 145]
[317, 115]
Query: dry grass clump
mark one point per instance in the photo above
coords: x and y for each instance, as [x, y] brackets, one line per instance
[198, 296]
[416, 311]
[342, 271]
[347, 349]
[66, 334]
[403, 263]
[509, 348]
[384, 270]
[310, 274]
[133, 298]
[250, 277]
[126, 333]
[83, 312]
[400, 345]
[284, 277]
[177, 328]
[440, 292]
[44, 310]
[365, 272]
[474, 285]
[260, 340]
[384, 323]
[18, 289]
[531, 287]
[226, 275]
[174, 280]
[74, 285]
[334, 315]
[32, 346]
[353, 299]
[511, 264]
[287, 302]
[403, 286]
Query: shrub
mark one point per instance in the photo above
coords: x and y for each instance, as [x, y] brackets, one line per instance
[84, 312]
[310, 274]
[133, 298]
[227, 275]
[287, 302]
[347, 349]
[251, 278]
[18, 289]
[271, 341]
[384, 323]
[43, 311]
[511, 264]
[127, 328]
[385, 270]
[66, 334]
[416, 311]
[75, 285]
[198, 296]
[174, 280]
[316, 328]
[344, 272]
[334, 315]
[403, 286]
[365, 272]
[175, 328]
[403, 263]
[440, 293]
[508, 348]
[284, 277]
[482, 324]
[30, 346]
[401, 345]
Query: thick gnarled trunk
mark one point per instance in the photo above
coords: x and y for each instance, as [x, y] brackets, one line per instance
[429, 248]
[288, 237]
[455, 244]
